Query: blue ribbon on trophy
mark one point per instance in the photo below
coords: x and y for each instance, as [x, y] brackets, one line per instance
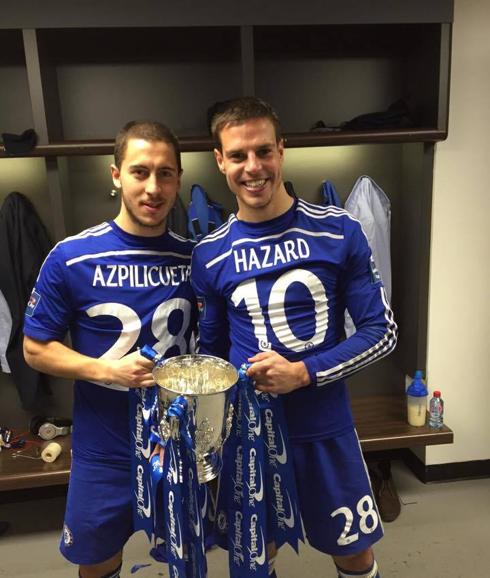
[142, 403]
[184, 534]
[257, 501]
[282, 500]
[177, 498]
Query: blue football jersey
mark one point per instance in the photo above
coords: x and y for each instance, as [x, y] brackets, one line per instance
[113, 292]
[284, 285]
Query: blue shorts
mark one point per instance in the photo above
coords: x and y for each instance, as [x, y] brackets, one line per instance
[98, 516]
[339, 513]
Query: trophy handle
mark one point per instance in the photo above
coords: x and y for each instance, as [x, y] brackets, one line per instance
[151, 354]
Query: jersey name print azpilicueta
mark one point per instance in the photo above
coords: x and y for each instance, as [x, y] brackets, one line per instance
[113, 292]
[284, 284]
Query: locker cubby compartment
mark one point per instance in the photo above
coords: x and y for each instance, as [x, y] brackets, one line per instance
[109, 76]
[334, 73]
[15, 103]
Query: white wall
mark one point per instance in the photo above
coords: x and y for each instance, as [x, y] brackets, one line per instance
[459, 296]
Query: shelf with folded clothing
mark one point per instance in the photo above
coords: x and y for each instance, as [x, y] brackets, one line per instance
[84, 83]
[361, 77]
[80, 84]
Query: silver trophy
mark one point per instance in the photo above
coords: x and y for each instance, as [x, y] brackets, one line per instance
[205, 381]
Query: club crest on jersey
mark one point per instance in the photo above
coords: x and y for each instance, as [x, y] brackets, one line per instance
[222, 522]
[375, 276]
[201, 307]
[32, 303]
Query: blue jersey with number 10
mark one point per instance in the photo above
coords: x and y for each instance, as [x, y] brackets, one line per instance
[284, 285]
[113, 292]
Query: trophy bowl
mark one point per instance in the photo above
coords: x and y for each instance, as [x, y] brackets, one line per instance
[205, 381]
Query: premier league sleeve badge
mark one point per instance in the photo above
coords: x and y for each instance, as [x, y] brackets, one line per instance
[32, 303]
[201, 306]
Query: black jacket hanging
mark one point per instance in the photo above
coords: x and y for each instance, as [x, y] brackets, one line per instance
[24, 244]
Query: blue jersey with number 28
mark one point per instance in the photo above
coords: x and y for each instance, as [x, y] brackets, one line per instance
[113, 292]
[284, 285]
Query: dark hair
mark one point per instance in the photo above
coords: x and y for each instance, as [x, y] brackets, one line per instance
[239, 110]
[147, 130]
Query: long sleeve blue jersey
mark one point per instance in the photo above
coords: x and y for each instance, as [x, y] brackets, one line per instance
[284, 285]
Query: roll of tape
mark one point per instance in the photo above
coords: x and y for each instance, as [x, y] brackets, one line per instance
[51, 452]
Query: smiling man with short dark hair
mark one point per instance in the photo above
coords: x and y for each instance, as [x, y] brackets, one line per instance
[277, 278]
[115, 287]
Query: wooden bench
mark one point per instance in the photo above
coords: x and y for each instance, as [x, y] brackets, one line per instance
[380, 420]
[23, 473]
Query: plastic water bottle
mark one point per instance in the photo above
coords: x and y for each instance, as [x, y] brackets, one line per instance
[436, 411]
[417, 401]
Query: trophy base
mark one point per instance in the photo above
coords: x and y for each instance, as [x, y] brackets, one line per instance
[209, 467]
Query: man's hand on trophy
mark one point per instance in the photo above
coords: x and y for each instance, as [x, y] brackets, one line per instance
[273, 373]
[132, 370]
